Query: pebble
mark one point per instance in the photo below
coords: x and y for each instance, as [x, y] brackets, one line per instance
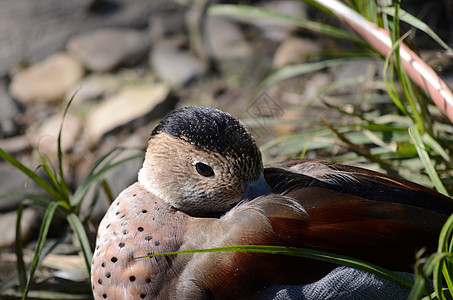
[279, 30]
[166, 25]
[314, 87]
[47, 80]
[224, 40]
[359, 69]
[14, 181]
[8, 111]
[129, 104]
[106, 49]
[8, 221]
[94, 86]
[292, 49]
[46, 138]
[16, 144]
[175, 67]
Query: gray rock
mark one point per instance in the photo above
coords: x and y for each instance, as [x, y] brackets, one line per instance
[106, 49]
[129, 104]
[293, 48]
[279, 30]
[166, 25]
[32, 30]
[46, 138]
[16, 144]
[8, 111]
[224, 40]
[361, 69]
[175, 67]
[314, 87]
[14, 181]
[46, 81]
[94, 86]
[7, 226]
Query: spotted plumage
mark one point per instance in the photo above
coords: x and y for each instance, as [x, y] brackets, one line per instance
[202, 185]
[130, 230]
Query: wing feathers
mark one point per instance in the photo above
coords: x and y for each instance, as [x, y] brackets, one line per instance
[322, 206]
[354, 181]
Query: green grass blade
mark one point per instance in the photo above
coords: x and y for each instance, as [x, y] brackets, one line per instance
[408, 88]
[12, 281]
[37, 200]
[436, 265]
[331, 53]
[296, 70]
[62, 184]
[106, 159]
[406, 83]
[48, 295]
[427, 163]
[391, 86]
[30, 174]
[300, 138]
[447, 272]
[46, 164]
[307, 253]
[256, 12]
[337, 84]
[395, 33]
[95, 176]
[420, 282]
[370, 125]
[446, 235]
[82, 237]
[437, 281]
[47, 220]
[92, 204]
[430, 267]
[108, 191]
[417, 23]
[360, 149]
[431, 142]
[445, 240]
[19, 250]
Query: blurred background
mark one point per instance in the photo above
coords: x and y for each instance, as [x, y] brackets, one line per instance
[301, 91]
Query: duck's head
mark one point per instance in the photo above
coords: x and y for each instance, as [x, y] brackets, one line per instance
[202, 161]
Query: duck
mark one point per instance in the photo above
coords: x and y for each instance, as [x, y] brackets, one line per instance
[203, 185]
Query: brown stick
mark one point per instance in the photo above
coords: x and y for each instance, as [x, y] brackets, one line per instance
[418, 70]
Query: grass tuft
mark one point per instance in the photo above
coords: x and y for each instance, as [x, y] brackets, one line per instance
[61, 201]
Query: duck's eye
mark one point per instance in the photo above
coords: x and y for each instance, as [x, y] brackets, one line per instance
[204, 169]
